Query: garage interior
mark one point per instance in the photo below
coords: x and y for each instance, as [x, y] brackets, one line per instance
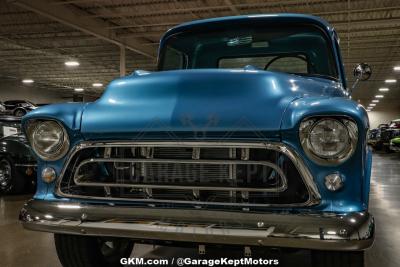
[55, 51]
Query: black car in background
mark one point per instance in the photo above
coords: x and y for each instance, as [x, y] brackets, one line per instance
[389, 133]
[17, 164]
[374, 136]
[16, 108]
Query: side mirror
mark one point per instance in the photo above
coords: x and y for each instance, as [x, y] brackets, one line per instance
[362, 72]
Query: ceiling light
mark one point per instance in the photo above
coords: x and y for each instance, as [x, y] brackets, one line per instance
[396, 68]
[27, 81]
[79, 89]
[383, 89]
[97, 84]
[390, 81]
[379, 96]
[372, 105]
[71, 63]
[375, 101]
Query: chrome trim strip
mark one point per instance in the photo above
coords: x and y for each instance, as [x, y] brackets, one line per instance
[322, 231]
[314, 195]
[283, 187]
[25, 165]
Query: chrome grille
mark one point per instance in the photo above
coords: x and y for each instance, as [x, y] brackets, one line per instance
[191, 173]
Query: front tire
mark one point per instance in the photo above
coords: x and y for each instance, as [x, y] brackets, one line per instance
[91, 251]
[11, 180]
[337, 258]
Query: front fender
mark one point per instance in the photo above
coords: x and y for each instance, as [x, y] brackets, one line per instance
[70, 116]
[323, 105]
[16, 149]
[356, 170]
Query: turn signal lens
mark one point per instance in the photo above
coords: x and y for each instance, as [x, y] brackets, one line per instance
[333, 182]
[48, 175]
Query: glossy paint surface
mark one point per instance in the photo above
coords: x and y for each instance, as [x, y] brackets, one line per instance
[215, 100]
[181, 104]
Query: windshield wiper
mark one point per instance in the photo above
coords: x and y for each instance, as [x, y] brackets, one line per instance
[317, 75]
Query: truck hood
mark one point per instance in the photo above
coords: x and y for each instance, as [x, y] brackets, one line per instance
[205, 102]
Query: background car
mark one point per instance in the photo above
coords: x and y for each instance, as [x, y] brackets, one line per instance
[17, 164]
[389, 133]
[17, 108]
[395, 144]
[374, 136]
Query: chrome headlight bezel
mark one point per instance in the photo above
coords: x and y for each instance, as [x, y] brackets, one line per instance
[306, 128]
[62, 146]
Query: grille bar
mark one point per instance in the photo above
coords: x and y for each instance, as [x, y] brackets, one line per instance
[79, 179]
[73, 183]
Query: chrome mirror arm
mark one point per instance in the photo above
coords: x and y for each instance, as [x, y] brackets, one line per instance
[350, 91]
[362, 72]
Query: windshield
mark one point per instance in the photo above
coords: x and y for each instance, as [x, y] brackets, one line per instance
[301, 50]
[27, 103]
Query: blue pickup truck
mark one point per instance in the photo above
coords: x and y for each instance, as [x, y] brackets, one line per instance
[246, 136]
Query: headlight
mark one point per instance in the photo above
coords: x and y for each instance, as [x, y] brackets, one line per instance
[48, 139]
[328, 140]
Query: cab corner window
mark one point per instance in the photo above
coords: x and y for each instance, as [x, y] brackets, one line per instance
[176, 59]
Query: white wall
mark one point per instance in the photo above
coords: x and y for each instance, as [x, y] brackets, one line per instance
[378, 117]
[15, 90]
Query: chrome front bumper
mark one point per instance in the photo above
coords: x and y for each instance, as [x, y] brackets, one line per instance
[323, 231]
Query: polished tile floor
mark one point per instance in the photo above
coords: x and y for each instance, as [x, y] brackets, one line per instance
[24, 248]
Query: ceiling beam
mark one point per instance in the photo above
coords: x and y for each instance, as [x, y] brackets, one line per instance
[335, 8]
[232, 7]
[78, 19]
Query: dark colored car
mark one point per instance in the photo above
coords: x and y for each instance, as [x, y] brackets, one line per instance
[374, 136]
[389, 133]
[17, 108]
[17, 164]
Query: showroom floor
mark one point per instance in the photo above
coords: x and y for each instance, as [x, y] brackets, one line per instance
[18, 247]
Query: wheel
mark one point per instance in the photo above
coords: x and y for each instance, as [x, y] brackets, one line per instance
[19, 113]
[337, 258]
[388, 150]
[90, 251]
[11, 181]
